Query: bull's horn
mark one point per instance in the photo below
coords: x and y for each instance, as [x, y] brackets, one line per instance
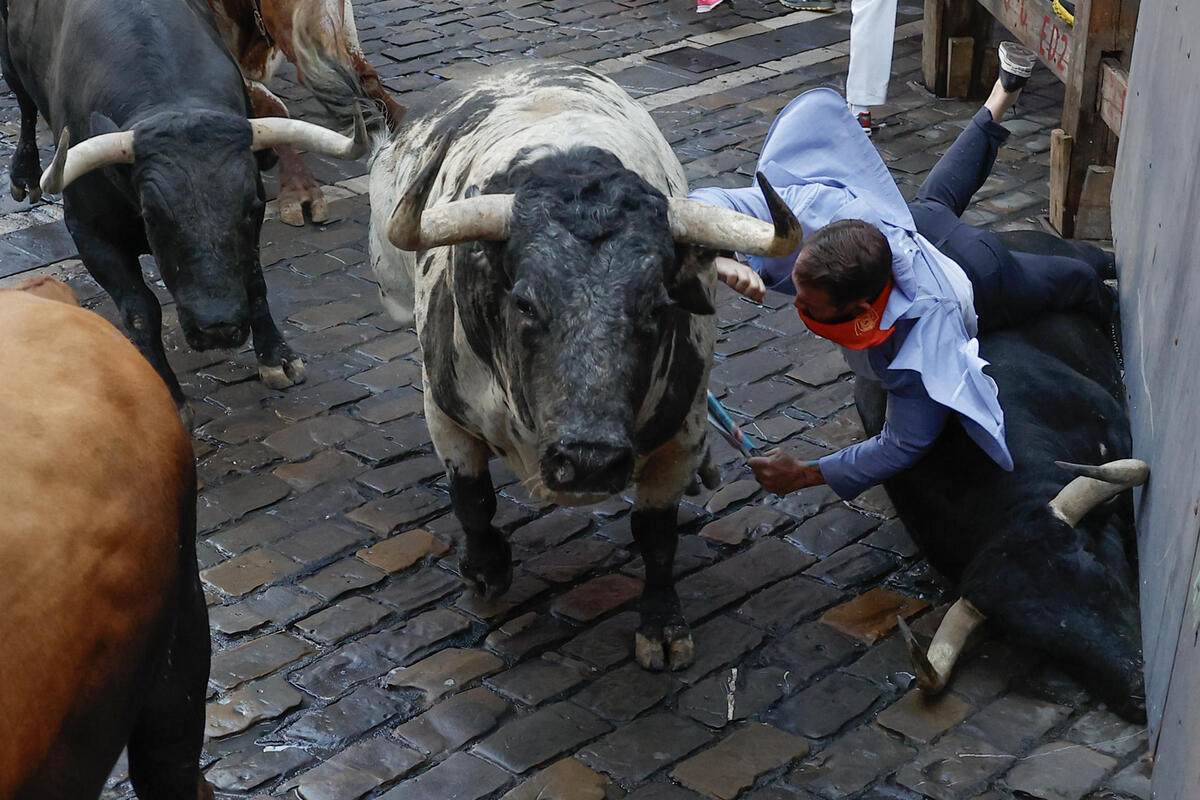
[933, 667]
[480, 218]
[1094, 485]
[272, 131]
[73, 162]
[693, 222]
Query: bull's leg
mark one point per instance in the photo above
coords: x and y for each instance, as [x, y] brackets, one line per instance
[663, 640]
[26, 170]
[487, 562]
[297, 186]
[278, 365]
[164, 750]
[118, 273]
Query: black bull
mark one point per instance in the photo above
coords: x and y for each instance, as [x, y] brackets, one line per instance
[155, 88]
[1070, 592]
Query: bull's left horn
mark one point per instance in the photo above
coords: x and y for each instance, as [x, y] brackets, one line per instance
[73, 162]
[933, 668]
[272, 131]
[1094, 485]
[693, 222]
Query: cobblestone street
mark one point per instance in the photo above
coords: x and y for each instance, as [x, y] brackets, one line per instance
[349, 661]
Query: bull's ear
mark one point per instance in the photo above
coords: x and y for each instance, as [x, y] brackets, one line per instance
[102, 124]
[686, 286]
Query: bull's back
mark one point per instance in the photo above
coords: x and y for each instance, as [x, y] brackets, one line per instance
[120, 58]
[96, 469]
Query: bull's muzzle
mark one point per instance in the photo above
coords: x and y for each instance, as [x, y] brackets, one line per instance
[587, 467]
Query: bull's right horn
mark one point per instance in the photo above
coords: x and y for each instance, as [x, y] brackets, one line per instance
[272, 131]
[73, 162]
[1094, 485]
[933, 667]
[693, 222]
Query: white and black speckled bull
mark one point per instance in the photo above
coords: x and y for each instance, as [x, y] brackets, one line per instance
[533, 225]
[164, 164]
[1047, 561]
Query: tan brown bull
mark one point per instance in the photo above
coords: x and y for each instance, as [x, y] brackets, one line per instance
[259, 34]
[103, 630]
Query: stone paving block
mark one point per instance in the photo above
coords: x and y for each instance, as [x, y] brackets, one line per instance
[776, 428]
[318, 543]
[243, 495]
[958, 761]
[885, 664]
[1015, 721]
[390, 346]
[281, 604]
[820, 369]
[540, 679]
[250, 768]
[419, 634]
[626, 692]
[737, 761]
[400, 551]
[460, 777]
[455, 721]
[731, 494]
[247, 572]
[394, 399]
[987, 671]
[782, 606]
[524, 588]
[606, 643]
[568, 562]
[825, 707]
[549, 531]
[234, 619]
[728, 581]
[310, 401]
[238, 710]
[635, 751]
[849, 764]
[355, 771]
[894, 538]
[562, 780]
[719, 642]
[751, 522]
[872, 615]
[854, 565]
[1133, 781]
[733, 694]
[540, 736]
[1107, 733]
[409, 506]
[831, 530]
[327, 465]
[331, 675]
[445, 672]
[662, 791]
[335, 725]
[1059, 771]
[921, 717]
[256, 658]
[404, 473]
[258, 530]
[344, 618]
[418, 588]
[843, 430]
[597, 597]
[303, 439]
[810, 649]
[341, 577]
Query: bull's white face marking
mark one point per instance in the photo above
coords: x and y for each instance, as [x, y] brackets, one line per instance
[529, 111]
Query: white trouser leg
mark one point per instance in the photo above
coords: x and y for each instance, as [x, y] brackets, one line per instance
[872, 29]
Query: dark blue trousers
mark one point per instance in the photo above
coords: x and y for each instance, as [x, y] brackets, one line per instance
[1010, 287]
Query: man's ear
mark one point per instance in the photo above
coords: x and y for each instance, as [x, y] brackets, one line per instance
[685, 286]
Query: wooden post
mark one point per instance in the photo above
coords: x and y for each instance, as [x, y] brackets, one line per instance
[946, 20]
[961, 53]
[933, 47]
[1060, 166]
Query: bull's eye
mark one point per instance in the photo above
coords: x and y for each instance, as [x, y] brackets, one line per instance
[525, 308]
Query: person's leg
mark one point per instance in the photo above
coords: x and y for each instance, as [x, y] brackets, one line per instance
[959, 173]
[872, 29]
[1041, 283]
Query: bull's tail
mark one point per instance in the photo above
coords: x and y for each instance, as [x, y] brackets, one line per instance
[320, 55]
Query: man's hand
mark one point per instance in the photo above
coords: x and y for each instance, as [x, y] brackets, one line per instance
[779, 473]
[741, 278]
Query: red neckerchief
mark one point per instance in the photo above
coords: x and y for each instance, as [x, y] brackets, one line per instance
[859, 333]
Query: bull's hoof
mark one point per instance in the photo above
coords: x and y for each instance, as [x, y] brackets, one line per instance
[288, 372]
[489, 577]
[318, 209]
[20, 190]
[291, 213]
[672, 650]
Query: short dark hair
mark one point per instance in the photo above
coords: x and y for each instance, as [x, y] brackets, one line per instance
[849, 259]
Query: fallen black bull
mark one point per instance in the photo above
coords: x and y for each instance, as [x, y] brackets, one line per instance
[1048, 560]
[561, 287]
[165, 163]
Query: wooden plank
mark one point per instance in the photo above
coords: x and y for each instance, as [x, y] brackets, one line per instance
[959, 60]
[1094, 219]
[1114, 82]
[1035, 25]
[1060, 167]
[933, 47]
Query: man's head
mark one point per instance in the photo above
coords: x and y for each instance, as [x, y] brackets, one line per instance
[841, 269]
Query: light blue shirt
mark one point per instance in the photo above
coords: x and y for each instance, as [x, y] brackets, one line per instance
[825, 169]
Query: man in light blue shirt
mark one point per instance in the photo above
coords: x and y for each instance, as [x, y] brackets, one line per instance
[904, 311]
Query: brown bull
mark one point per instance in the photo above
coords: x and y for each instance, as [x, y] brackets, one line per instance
[259, 34]
[102, 621]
